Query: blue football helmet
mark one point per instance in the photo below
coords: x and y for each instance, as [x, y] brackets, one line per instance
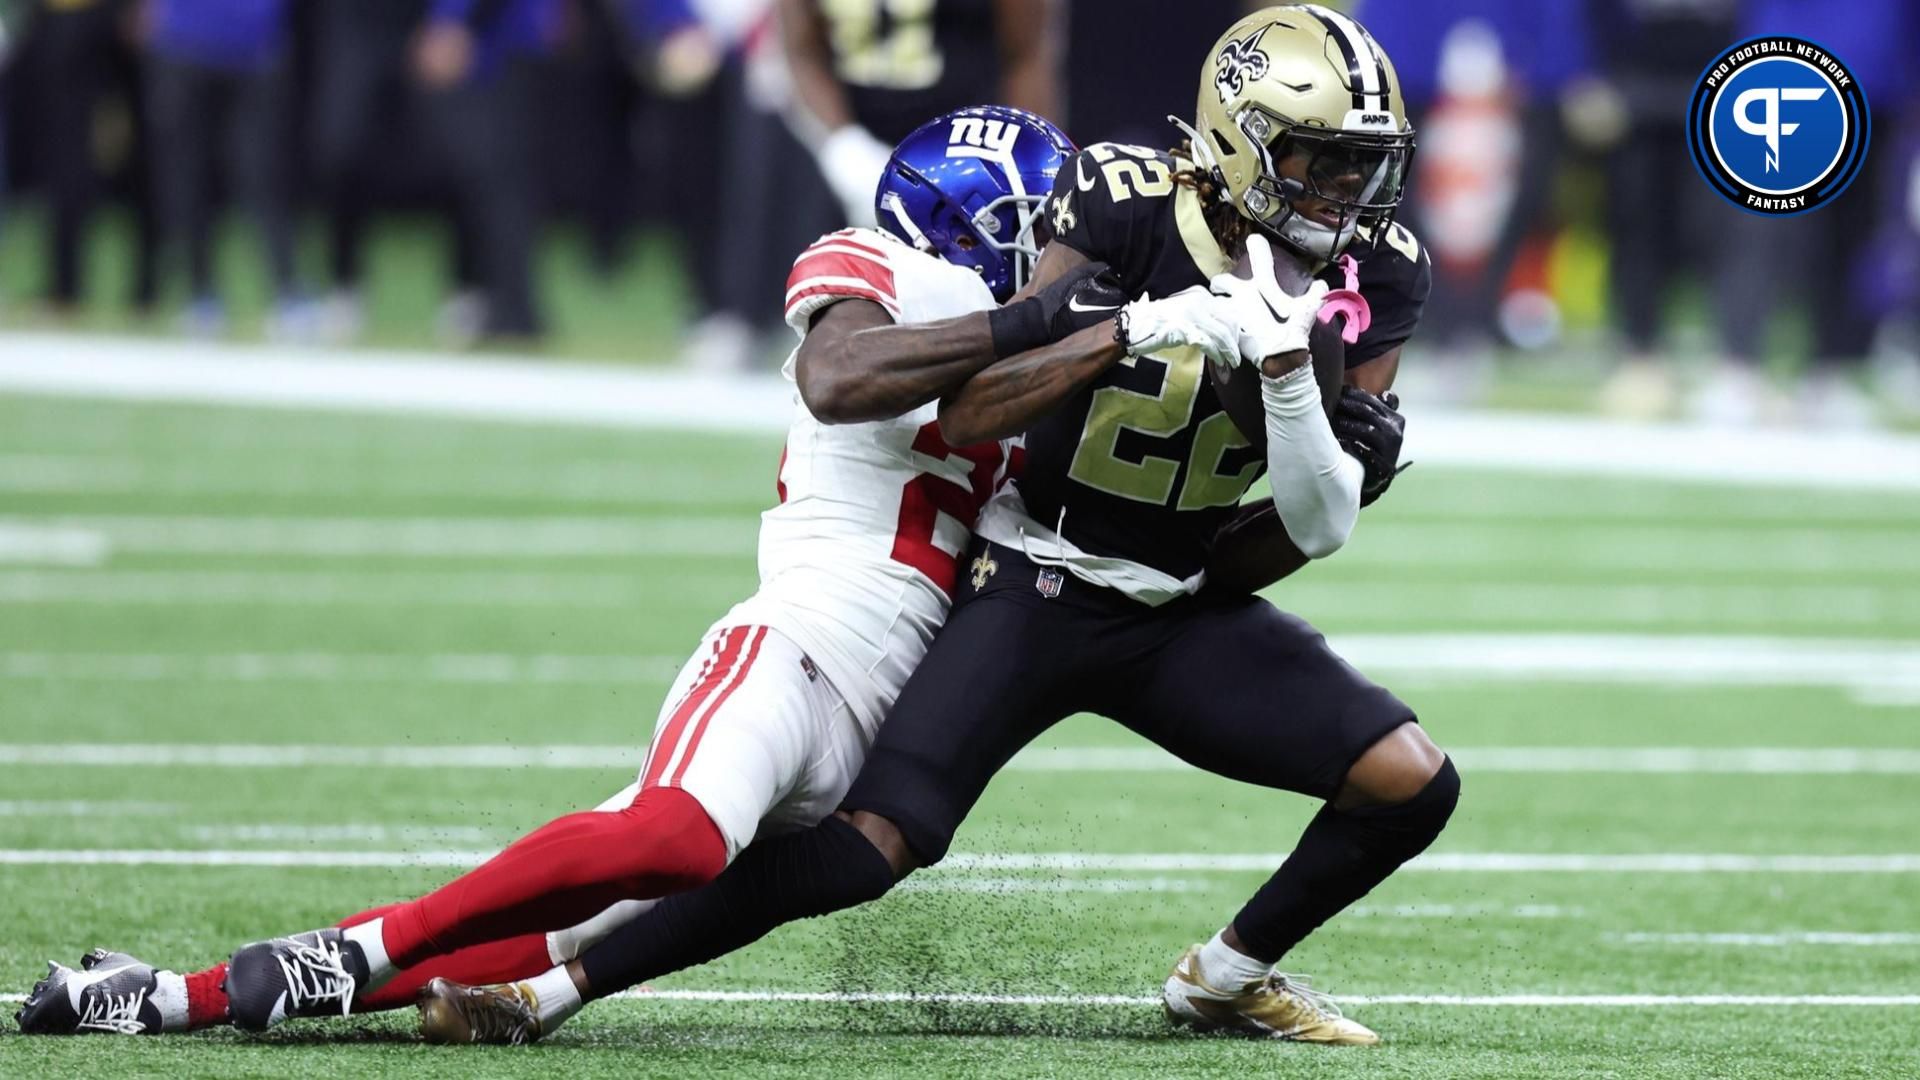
[968, 188]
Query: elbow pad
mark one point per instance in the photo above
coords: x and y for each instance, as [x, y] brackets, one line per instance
[1316, 485]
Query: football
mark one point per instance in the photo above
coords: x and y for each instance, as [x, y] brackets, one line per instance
[1239, 388]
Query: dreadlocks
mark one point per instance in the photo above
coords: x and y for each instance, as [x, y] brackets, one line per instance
[1229, 227]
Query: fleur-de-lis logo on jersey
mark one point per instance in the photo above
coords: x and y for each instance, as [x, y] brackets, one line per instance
[1064, 218]
[984, 567]
[1239, 63]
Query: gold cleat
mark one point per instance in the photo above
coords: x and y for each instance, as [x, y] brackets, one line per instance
[502, 1015]
[1277, 1007]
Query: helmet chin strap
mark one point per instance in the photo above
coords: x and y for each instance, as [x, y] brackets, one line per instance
[891, 203]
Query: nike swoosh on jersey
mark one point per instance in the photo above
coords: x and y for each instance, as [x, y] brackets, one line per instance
[1080, 175]
[1075, 305]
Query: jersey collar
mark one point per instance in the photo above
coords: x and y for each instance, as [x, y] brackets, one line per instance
[1202, 248]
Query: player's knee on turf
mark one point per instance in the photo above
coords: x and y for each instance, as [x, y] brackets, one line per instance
[1392, 771]
[886, 838]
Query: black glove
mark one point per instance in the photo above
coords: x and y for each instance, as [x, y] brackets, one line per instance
[1056, 311]
[1371, 429]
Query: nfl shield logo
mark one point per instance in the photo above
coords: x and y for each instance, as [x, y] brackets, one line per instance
[1049, 582]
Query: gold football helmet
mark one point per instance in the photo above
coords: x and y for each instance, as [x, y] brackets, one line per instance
[1301, 119]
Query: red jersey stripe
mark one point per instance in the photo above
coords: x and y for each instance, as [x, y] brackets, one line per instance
[842, 264]
[843, 292]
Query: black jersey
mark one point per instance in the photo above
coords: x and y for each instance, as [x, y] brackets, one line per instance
[904, 62]
[1144, 462]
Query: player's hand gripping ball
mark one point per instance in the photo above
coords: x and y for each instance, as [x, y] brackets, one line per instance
[1239, 386]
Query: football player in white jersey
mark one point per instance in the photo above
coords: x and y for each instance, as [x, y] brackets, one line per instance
[771, 718]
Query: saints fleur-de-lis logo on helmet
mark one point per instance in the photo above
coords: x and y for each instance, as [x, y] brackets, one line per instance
[1239, 63]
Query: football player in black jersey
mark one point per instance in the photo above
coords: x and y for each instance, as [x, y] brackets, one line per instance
[868, 72]
[1087, 589]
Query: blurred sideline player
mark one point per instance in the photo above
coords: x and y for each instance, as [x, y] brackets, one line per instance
[867, 72]
[1086, 585]
[771, 717]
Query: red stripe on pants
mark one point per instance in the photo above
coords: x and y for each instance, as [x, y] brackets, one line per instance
[700, 728]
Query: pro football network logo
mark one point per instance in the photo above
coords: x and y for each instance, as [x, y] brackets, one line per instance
[1778, 125]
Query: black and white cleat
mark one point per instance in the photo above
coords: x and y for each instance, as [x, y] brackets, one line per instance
[112, 994]
[312, 974]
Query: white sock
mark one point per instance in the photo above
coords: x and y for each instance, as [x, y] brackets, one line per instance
[369, 936]
[170, 997]
[1227, 968]
[555, 998]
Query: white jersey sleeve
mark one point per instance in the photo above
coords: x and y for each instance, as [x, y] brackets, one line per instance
[862, 552]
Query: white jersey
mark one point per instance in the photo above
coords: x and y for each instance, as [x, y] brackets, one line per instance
[859, 559]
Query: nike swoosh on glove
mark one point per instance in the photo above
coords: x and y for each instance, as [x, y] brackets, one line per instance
[1269, 321]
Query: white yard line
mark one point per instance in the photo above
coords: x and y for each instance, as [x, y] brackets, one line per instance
[1444, 862]
[48, 808]
[419, 538]
[488, 668]
[432, 589]
[540, 390]
[1131, 1001]
[46, 545]
[1774, 940]
[1870, 668]
[612, 482]
[1465, 605]
[1702, 760]
[1525, 1001]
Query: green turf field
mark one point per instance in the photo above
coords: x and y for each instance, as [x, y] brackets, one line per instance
[1721, 682]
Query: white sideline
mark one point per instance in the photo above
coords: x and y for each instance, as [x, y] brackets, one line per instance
[1442, 862]
[536, 390]
[1630, 760]
[1129, 1001]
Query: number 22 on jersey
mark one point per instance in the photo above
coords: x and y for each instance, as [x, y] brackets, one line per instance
[1098, 463]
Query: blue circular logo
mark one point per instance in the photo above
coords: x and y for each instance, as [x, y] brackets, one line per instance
[1778, 125]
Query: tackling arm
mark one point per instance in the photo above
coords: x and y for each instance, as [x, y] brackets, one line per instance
[1004, 400]
[856, 364]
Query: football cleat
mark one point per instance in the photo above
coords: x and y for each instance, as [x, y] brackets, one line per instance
[502, 1015]
[111, 994]
[312, 974]
[1277, 1007]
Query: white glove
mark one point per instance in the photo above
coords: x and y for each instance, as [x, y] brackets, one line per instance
[852, 160]
[1191, 317]
[1270, 322]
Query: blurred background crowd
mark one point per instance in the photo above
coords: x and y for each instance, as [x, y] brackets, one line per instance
[629, 179]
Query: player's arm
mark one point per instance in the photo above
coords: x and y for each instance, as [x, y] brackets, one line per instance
[1376, 375]
[1028, 33]
[857, 364]
[1007, 398]
[803, 34]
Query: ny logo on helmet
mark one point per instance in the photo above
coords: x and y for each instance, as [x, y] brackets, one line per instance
[993, 138]
[1239, 63]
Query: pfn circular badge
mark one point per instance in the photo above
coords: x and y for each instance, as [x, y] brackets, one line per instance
[1778, 125]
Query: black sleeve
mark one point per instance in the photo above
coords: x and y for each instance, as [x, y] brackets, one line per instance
[1395, 278]
[1100, 209]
